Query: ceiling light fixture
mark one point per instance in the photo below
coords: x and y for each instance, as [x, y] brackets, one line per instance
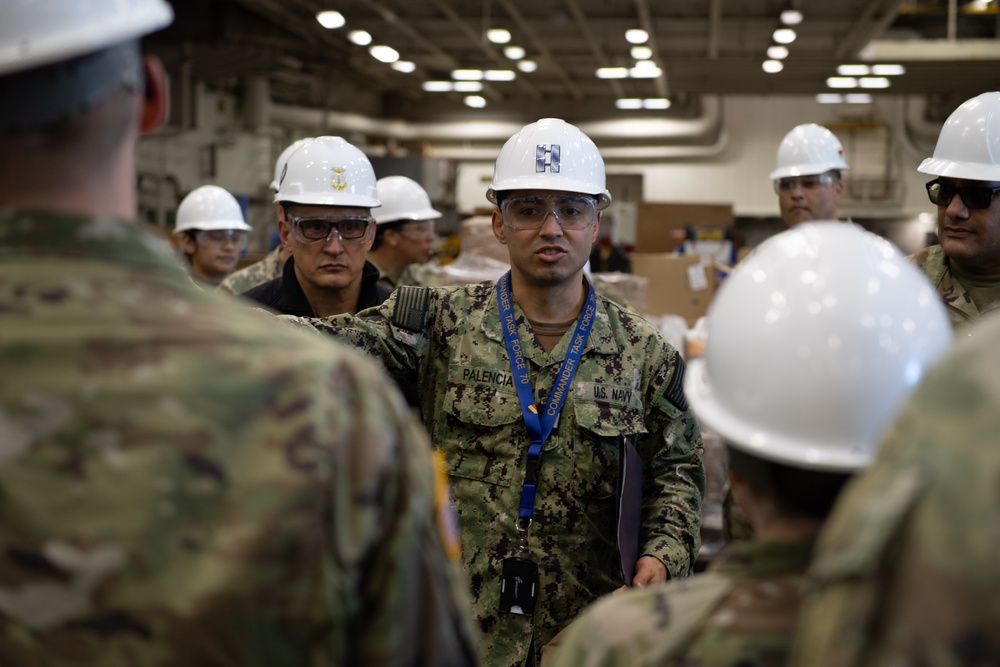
[874, 82]
[656, 103]
[500, 75]
[467, 86]
[853, 70]
[645, 69]
[514, 52]
[404, 66]
[467, 74]
[475, 101]
[527, 66]
[642, 52]
[437, 86]
[612, 72]
[888, 70]
[777, 52]
[628, 103]
[841, 82]
[636, 36]
[498, 35]
[360, 37]
[791, 17]
[772, 66]
[331, 20]
[829, 98]
[858, 98]
[383, 53]
[784, 35]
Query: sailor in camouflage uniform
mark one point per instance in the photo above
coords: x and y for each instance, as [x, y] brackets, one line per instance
[964, 265]
[454, 342]
[795, 431]
[183, 481]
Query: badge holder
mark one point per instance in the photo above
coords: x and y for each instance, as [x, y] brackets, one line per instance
[519, 580]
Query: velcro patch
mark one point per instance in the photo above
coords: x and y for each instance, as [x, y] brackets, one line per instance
[675, 390]
[411, 308]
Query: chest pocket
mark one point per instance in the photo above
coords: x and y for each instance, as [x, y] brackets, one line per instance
[484, 431]
[596, 445]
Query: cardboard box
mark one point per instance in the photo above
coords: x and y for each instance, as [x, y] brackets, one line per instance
[661, 227]
[678, 284]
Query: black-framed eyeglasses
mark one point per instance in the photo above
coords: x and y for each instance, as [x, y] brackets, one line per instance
[320, 229]
[973, 196]
[530, 211]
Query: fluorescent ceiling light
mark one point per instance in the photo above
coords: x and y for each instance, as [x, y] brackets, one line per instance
[629, 103]
[360, 37]
[891, 50]
[791, 17]
[383, 53]
[467, 74]
[888, 70]
[467, 86]
[475, 101]
[874, 82]
[656, 103]
[527, 66]
[772, 66]
[499, 75]
[858, 98]
[437, 86]
[645, 69]
[853, 70]
[642, 52]
[498, 35]
[612, 73]
[784, 35]
[636, 36]
[777, 52]
[829, 98]
[331, 19]
[404, 66]
[841, 82]
[514, 52]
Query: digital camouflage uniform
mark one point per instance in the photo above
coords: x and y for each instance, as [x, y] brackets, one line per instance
[906, 570]
[255, 274]
[184, 481]
[741, 613]
[629, 381]
[934, 263]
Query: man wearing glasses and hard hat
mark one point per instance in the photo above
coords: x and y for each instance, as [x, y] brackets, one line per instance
[807, 174]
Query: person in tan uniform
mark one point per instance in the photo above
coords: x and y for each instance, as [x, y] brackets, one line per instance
[184, 481]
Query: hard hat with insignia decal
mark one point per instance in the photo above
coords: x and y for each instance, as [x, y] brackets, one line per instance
[328, 171]
[550, 154]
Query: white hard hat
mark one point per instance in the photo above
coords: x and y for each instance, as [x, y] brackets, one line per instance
[39, 32]
[279, 164]
[328, 171]
[969, 143]
[550, 154]
[808, 150]
[813, 345]
[403, 199]
[209, 207]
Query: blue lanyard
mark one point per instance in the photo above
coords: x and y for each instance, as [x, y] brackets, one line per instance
[539, 424]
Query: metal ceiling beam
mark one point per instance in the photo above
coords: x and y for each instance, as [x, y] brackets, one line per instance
[540, 46]
[646, 22]
[714, 28]
[595, 47]
[876, 17]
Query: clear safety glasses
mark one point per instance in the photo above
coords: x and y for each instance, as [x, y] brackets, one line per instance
[803, 182]
[531, 211]
[310, 230]
[216, 238]
[419, 230]
[973, 196]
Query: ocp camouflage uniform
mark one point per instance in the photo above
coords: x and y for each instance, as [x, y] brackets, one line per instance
[962, 311]
[741, 613]
[184, 481]
[258, 273]
[629, 381]
[906, 570]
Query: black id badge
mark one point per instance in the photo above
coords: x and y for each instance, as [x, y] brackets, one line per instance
[518, 586]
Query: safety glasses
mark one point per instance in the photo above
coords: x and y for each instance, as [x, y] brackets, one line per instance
[530, 212]
[973, 196]
[308, 230]
[803, 182]
[217, 238]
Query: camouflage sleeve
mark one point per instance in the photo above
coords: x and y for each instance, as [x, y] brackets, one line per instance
[638, 628]
[405, 602]
[377, 332]
[674, 471]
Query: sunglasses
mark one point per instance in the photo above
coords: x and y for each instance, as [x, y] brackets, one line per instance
[973, 196]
